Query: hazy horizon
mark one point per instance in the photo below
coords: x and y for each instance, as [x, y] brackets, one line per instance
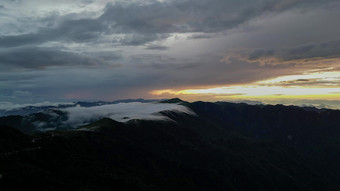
[319, 104]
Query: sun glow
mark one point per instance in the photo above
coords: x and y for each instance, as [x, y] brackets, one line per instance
[310, 85]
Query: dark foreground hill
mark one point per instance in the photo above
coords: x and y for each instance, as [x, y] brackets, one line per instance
[225, 147]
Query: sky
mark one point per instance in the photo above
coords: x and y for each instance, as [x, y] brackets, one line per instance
[264, 50]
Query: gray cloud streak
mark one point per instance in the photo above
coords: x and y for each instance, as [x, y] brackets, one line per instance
[329, 49]
[33, 57]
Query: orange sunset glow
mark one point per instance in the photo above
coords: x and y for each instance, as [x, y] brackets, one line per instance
[311, 85]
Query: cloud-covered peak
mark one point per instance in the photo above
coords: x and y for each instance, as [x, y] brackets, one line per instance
[123, 112]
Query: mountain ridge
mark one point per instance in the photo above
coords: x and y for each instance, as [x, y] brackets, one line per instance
[225, 146]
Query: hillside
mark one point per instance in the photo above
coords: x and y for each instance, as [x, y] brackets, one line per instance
[225, 146]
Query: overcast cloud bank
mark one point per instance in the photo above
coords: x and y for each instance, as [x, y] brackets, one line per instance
[116, 49]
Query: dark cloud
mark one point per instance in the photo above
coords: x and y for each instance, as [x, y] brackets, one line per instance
[33, 57]
[307, 83]
[81, 30]
[157, 47]
[201, 36]
[148, 22]
[116, 83]
[71, 55]
[154, 61]
[323, 50]
[312, 50]
[174, 73]
[87, 1]
[138, 39]
[260, 53]
[193, 15]
[219, 73]
[18, 40]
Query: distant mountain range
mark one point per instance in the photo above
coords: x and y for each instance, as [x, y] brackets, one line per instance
[31, 119]
[190, 146]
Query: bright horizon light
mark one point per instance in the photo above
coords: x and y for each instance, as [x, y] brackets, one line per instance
[310, 85]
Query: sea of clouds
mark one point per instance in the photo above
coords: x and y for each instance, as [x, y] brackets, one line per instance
[123, 112]
[72, 115]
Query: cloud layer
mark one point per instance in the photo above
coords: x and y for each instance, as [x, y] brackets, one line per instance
[123, 112]
[62, 50]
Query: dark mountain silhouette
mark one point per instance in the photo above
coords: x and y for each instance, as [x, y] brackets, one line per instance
[173, 100]
[41, 121]
[226, 146]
